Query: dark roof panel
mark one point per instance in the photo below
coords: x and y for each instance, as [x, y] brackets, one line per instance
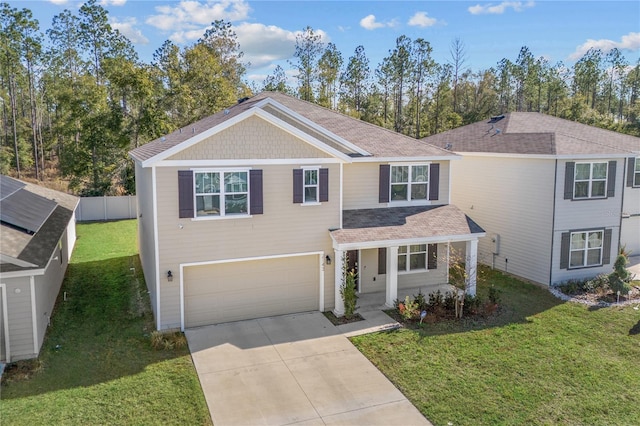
[26, 210]
[8, 186]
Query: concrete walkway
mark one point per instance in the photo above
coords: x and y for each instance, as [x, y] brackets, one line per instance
[294, 369]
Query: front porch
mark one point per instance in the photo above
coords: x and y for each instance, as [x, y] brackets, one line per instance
[398, 251]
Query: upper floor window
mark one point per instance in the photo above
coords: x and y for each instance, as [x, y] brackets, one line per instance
[586, 249]
[590, 180]
[222, 193]
[636, 172]
[311, 185]
[409, 182]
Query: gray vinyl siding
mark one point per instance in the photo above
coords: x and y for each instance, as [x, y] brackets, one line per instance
[283, 228]
[19, 316]
[146, 242]
[571, 215]
[361, 186]
[511, 197]
[630, 231]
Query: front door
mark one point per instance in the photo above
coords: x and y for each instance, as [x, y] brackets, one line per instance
[352, 265]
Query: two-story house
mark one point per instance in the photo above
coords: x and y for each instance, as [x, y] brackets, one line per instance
[253, 211]
[557, 198]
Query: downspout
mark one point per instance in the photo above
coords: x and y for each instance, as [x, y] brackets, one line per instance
[553, 218]
[624, 185]
[5, 323]
[154, 196]
[34, 317]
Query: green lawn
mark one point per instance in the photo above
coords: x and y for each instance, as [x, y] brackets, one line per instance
[537, 361]
[97, 365]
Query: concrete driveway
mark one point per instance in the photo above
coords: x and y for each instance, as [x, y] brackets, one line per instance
[293, 369]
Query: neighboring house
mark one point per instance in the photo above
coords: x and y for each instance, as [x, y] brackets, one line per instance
[38, 232]
[250, 212]
[557, 198]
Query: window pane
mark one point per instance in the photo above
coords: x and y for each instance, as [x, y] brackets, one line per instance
[599, 171]
[577, 258]
[595, 239]
[593, 256]
[636, 181]
[582, 171]
[399, 174]
[419, 191]
[207, 205]
[398, 192]
[418, 261]
[310, 194]
[638, 164]
[581, 190]
[597, 189]
[402, 249]
[577, 241]
[310, 177]
[235, 182]
[417, 248]
[419, 173]
[207, 183]
[402, 262]
[235, 204]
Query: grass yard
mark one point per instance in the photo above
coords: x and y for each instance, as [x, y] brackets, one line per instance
[97, 365]
[537, 361]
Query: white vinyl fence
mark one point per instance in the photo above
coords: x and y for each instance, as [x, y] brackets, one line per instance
[106, 208]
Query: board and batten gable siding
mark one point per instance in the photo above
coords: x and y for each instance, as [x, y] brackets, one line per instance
[19, 316]
[283, 228]
[630, 226]
[362, 185]
[146, 223]
[253, 138]
[587, 214]
[511, 197]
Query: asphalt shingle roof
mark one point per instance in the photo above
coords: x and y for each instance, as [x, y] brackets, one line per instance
[403, 223]
[379, 142]
[531, 133]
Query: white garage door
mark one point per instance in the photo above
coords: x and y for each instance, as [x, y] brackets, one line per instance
[250, 289]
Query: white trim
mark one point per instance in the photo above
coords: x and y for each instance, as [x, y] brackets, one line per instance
[408, 158]
[225, 217]
[5, 322]
[34, 317]
[243, 259]
[338, 262]
[542, 156]
[312, 124]
[222, 193]
[321, 279]
[390, 243]
[19, 274]
[154, 198]
[304, 185]
[244, 162]
[15, 261]
[585, 250]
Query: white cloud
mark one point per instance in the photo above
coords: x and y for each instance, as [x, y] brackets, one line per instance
[190, 14]
[630, 42]
[128, 29]
[369, 23]
[58, 1]
[499, 9]
[112, 2]
[420, 19]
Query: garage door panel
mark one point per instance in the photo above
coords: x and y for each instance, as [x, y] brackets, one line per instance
[250, 289]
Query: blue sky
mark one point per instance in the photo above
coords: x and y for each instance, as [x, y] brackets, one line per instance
[490, 31]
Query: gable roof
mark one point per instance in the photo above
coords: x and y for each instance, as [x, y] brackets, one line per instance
[34, 219]
[344, 136]
[532, 133]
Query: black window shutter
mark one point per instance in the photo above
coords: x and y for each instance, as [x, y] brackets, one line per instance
[611, 179]
[298, 185]
[564, 250]
[385, 179]
[434, 181]
[324, 185]
[606, 247]
[185, 193]
[569, 173]
[382, 261]
[432, 256]
[255, 196]
[631, 167]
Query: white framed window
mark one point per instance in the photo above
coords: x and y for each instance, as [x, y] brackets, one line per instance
[221, 193]
[590, 180]
[409, 182]
[412, 258]
[586, 249]
[636, 173]
[311, 185]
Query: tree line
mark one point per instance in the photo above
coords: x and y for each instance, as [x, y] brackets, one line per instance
[77, 98]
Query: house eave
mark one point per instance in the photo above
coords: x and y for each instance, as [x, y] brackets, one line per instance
[406, 241]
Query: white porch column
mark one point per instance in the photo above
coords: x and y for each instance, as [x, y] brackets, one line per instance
[338, 261]
[471, 266]
[392, 276]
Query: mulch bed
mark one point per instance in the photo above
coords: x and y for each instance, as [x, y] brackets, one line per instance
[343, 319]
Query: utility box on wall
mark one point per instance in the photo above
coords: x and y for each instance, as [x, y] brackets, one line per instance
[495, 241]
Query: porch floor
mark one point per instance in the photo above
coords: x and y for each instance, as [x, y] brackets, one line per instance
[376, 300]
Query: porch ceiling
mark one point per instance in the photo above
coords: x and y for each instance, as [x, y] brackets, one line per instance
[405, 223]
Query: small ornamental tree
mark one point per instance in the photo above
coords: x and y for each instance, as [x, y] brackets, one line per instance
[620, 278]
[348, 289]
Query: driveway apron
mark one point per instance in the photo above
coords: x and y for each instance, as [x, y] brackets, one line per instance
[292, 369]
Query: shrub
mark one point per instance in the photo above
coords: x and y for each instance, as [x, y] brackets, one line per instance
[348, 292]
[494, 295]
[597, 284]
[168, 341]
[409, 309]
[620, 278]
[420, 300]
